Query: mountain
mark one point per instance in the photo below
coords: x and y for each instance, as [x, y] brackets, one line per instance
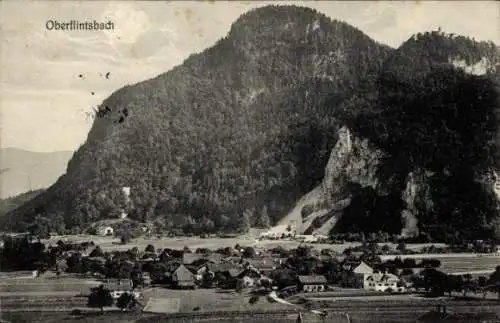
[22, 171]
[435, 118]
[241, 127]
[294, 116]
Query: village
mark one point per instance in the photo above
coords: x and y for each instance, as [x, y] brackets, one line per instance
[148, 279]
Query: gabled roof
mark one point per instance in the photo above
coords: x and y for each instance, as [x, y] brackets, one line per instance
[183, 274]
[97, 259]
[188, 258]
[363, 268]
[312, 279]
[216, 258]
[235, 272]
[263, 263]
[221, 267]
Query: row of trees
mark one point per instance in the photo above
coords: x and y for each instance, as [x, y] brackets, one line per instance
[438, 283]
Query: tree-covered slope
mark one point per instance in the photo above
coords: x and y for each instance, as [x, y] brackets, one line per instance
[243, 127]
[239, 132]
[11, 203]
[435, 115]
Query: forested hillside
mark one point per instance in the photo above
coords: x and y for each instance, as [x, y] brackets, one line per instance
[242, 129]
[439, 121]
[14, 202]
[238, 133]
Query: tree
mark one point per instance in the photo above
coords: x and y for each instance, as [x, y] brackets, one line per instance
[239, 286]
[40, 227]
[125, 237]
[100, 297]
[249, 252]
[245, 223]
[150, 248]
[495, 280]
[126, 301]
[265, 221]
[97, 252]
[386, 249]
[61, 267]
[137, 277]
[402, 247]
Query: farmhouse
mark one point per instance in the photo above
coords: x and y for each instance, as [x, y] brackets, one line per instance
[312, 283]
[263, 265]
[119, 287]
[382, 283]
[183, 278]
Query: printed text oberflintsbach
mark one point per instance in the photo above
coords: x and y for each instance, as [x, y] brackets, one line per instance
[79, 25]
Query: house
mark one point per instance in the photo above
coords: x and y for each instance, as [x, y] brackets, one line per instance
[382, 282]
[119, 287]
[312, 283]
[232, 260]
[183, 278]
[105, 231]
[279, 232]
[225, 274]
[147, 278]
[188, 257]
[263, 265]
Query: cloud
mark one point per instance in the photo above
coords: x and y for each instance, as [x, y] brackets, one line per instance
[129, 22]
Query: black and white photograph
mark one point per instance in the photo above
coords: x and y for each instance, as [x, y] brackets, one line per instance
[249, 161]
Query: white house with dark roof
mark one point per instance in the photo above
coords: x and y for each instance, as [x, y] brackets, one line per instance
[312, 283]
[382, 282]
[119, 287]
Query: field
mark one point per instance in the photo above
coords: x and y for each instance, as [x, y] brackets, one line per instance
[203, 300]
[47, 284]
[461, 263]
[113, 243]
[50, 317]
[469, 264]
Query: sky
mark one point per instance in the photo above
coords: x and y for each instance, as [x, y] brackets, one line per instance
[51, 80]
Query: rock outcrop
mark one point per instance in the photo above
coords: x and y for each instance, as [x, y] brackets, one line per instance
[352, 160]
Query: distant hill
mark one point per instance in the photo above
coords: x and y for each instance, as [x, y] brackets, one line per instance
[22, 170]
[11, 203]
[290, 102]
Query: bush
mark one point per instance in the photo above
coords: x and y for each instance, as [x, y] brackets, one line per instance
[126, 301]
[150, 248]
[100, 297]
